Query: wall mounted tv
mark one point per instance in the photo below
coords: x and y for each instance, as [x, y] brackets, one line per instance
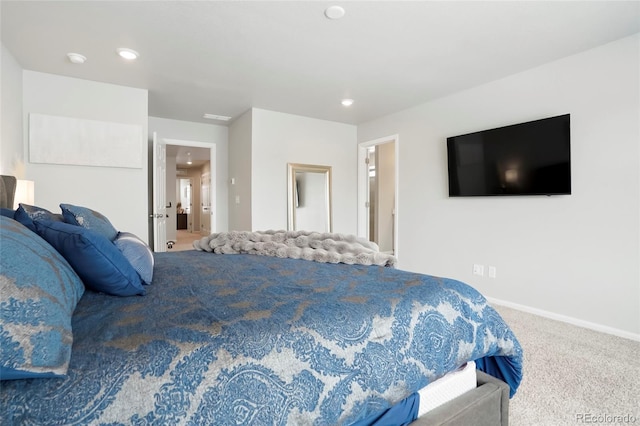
[531, 158]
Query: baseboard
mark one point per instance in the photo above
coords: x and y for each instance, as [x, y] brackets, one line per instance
[567, 319]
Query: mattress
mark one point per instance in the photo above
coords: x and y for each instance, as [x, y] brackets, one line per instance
[447, 388]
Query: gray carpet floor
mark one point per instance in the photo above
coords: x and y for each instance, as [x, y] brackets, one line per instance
[573, 375]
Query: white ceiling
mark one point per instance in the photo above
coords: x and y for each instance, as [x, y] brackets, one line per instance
[224, 57]
[183, 154]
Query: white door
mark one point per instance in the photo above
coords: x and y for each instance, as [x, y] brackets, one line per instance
[159, 195]
[373, 219]
[384, 176]
[205, 194]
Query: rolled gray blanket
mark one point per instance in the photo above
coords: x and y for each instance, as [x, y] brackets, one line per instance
[324, 247]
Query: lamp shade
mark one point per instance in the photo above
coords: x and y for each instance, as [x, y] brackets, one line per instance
[25, 193]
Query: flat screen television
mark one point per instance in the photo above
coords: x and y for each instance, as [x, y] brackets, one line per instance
[531, 158]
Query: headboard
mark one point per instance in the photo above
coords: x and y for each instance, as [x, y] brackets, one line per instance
[7, 191]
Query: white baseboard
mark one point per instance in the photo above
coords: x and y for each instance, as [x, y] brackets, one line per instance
[567, 319]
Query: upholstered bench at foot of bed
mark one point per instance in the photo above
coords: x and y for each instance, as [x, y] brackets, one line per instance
[486, 405]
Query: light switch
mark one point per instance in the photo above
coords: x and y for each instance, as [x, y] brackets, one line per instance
[492, 271]
[478, 270]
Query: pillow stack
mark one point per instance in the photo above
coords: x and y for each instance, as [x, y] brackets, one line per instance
[45, 272]
[106, 260]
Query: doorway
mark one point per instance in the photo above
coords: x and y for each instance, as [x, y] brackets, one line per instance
[378, 192]
[185, 164]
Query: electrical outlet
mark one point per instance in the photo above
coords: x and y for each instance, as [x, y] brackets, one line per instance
[492, 271]
[478, 270]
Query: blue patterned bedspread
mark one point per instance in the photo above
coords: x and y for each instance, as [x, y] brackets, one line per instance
[254, 340]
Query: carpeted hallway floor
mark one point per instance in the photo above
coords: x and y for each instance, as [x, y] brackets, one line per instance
[573, 375]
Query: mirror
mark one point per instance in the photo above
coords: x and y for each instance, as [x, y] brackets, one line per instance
[309, 197]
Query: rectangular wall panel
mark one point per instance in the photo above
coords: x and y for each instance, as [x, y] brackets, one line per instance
[75, 141]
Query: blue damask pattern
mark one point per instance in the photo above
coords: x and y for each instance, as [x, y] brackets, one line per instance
[38, 294]
[253, 340]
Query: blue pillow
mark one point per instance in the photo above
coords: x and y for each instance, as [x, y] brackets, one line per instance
[96, 260]
[137, 253]
[26, 214]
[90, 219]
[38, 293]
[7, 212]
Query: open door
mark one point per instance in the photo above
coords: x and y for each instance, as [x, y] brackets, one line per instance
[382, 196]
[159, 195]
[378, 192]
[205, 197]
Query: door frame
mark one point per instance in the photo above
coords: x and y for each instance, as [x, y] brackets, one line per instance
[212, 146]
[363, 186]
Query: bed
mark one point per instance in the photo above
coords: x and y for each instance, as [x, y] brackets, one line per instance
[238, 339]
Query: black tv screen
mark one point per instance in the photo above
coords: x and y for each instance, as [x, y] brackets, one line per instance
[530, 158]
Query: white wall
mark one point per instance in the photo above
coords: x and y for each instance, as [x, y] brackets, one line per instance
[11, 153]
[118, 193]
[280, 138]
[240, 134]
[206, 133]
[576, 256]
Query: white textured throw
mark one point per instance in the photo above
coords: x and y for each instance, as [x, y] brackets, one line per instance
[319, 247]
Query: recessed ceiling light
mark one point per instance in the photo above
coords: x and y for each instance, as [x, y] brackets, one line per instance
[216, 117]
[334, 12]
[76, 58]
[347, 102]
[127, 54]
